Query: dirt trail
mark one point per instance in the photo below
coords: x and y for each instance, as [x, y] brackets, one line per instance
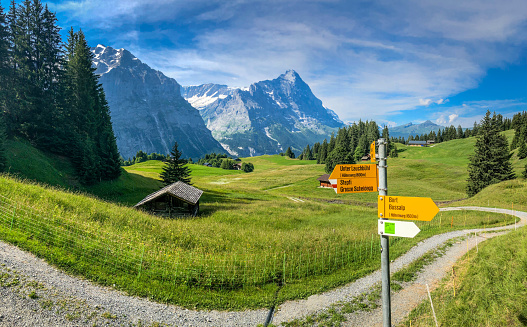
[408, 298]
[115, 308]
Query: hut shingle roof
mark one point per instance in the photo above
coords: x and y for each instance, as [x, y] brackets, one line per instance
[324, 178]
[180, 190]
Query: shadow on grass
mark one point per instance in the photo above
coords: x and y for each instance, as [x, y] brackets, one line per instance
[210, 198]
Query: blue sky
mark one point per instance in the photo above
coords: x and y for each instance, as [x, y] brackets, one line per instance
[391, 61]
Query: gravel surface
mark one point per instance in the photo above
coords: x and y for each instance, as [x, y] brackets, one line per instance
[32, 293]
[317, 303]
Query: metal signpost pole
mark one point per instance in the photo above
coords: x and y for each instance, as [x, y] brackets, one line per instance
[385, 245]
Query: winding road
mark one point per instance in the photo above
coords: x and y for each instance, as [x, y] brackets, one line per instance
[88, 304]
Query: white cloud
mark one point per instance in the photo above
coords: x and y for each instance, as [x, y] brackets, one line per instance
[452, 118]
[368, 60]
[425, 102]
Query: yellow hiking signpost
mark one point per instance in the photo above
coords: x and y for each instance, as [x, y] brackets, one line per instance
[354, 171]
[372, 151]
[357, 178]
[406, 208]
[372, 178]
[358, 185]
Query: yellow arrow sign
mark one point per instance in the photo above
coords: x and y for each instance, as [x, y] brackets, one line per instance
[352, 185]
[406, 208]
[354, 171]
[372, 152]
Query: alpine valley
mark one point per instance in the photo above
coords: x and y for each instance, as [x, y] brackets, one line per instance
[266, 117]
[151, 111]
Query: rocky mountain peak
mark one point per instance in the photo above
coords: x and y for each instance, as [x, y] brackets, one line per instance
[147, 110]
[265, 117]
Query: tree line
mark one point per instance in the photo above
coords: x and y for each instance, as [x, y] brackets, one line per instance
[50, 95]
[453, 133]
[349, 146]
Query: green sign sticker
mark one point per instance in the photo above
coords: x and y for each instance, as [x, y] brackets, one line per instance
[389, 228]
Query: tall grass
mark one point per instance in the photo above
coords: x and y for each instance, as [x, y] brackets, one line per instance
[201, 263]
[489, 287]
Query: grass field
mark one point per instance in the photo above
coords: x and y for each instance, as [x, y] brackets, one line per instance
[251, 238]
[489, 287]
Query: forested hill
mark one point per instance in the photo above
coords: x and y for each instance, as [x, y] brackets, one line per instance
[49, 94]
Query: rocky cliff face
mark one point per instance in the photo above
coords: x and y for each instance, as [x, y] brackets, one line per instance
[147, 110]
[266, 118]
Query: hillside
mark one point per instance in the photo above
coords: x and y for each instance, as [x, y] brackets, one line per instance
[276, 214]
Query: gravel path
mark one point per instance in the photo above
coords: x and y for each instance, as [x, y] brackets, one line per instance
[32, 293]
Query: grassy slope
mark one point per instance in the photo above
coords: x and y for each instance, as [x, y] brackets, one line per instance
[252, 212]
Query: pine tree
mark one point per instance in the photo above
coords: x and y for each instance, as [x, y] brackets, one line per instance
[289, 153]
[339, 155]
[4, 62]
[321, 158]
[3, 157]
[491, 160]
[522, 151]
[176, 168]
[359, 153]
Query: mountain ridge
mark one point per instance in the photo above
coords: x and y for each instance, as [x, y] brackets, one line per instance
[265, 118]
[414, 129]
[147, 110]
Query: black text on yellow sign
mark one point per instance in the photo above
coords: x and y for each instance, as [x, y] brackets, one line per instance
[353, 185]
[354, 171]
[406, 208]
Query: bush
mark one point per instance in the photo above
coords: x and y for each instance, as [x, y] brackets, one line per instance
[247, 167]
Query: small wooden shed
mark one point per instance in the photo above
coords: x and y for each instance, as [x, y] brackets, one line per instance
[177, 199]
[324, 181]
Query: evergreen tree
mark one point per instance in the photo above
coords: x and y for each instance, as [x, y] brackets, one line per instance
[522, 151]
[339, 155]
[4, 61]
[393, 152]
[331, 144]
[307, 154]
[321, 158]
[3, 157]
[358, 153]
[175, 169]
[459, 132]
[289, 153]
[491, 160]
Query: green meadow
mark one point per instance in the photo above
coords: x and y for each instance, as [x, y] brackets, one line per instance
[255, 243]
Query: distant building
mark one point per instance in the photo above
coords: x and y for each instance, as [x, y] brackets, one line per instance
[177, 199]
[324, 181]
[237, 166]
[207, 164]
[417, 143]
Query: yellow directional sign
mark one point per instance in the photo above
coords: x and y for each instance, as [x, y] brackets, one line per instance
[372, 152]
[406, 208]
[354, 171]
[354, 185]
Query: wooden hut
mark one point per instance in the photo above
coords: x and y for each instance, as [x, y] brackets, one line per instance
[324, 181]
[177, 199]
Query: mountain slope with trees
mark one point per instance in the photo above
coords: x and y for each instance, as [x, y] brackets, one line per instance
[49, 93]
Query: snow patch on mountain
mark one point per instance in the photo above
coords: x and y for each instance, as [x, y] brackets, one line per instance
[266, 129]
[243, 117]
[228, 148]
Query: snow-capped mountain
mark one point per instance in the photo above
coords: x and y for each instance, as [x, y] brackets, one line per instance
[147, 110]
[265, 118]
[201, 96]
